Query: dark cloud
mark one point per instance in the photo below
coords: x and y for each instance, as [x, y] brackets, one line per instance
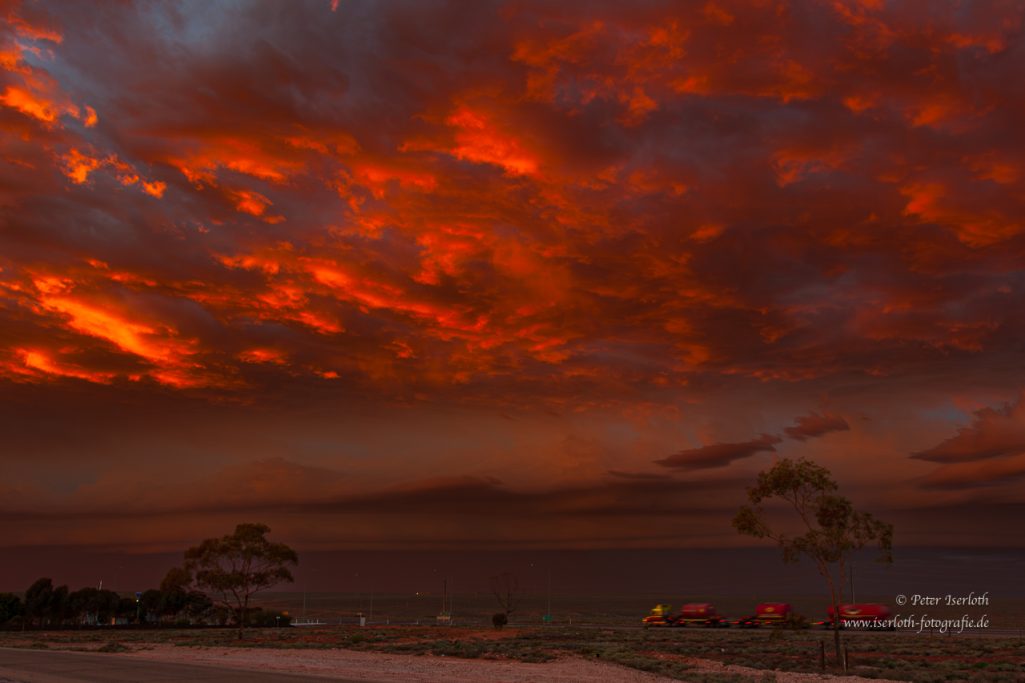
[450, 510]
[814, 425]
[971, 475]
[469, 496]
[280, 485]
[637, 476]
[719, 454]
[995, 433]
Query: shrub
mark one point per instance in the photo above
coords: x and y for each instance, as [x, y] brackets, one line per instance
[113, 646]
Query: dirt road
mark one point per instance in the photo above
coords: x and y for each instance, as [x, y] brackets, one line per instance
[161, 662]
[50, 666]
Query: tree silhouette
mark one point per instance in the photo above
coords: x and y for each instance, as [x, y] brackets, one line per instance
[95, 605]
[239, 565]
[37, 600]
[832, 527]
[504, 587]
[10, 607]
[174, 592]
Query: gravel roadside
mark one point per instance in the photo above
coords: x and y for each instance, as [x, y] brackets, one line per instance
[382, 668]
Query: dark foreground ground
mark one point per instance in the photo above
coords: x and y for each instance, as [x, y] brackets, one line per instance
[895, 656]
[38, 666]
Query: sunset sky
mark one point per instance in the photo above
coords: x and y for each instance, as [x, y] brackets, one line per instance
[510, 274]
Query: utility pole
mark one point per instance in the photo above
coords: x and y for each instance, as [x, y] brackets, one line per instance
[548, 611]
[853, 599]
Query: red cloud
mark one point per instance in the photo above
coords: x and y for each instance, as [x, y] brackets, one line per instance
[719, 454]
[584, 194]
[995, 433]
[815, 425]
[523, 208]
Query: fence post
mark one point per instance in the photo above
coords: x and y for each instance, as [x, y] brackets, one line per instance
[822, 655]
[846, 660]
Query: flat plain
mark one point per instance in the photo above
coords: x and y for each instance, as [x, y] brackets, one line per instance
[687, 654]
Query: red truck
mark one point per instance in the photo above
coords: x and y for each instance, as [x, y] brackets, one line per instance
[861, 615]
[766, 614]
[691, 614]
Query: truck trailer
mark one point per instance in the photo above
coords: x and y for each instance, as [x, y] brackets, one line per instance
[767, 614]
[691, 614]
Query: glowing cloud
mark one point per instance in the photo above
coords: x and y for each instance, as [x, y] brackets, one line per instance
[593, 232]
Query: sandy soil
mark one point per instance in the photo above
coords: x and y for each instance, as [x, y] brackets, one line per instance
[381, 668]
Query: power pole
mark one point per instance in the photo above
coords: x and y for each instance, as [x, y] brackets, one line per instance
[549, 609]
[853, 599]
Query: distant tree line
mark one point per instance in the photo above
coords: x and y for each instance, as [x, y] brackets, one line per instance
[48, 606]
[233, 568]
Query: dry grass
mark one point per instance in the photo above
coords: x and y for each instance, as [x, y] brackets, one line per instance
[667, 652]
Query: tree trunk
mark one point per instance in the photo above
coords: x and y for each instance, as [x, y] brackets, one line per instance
[836, 643]
[835, 599]
[838, 598]
[243, 609]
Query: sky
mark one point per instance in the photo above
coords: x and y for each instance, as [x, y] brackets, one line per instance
[506, 275]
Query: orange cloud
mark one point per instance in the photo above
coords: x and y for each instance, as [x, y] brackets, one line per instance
[379, 175]
[31, 90]
[78, 166]
[264, 355]
[252, 203]
[40, 360]
[976, 224]
[129, 336]
[272, 160]
[154, 188]
[168, 354]
[31, 104]
[479, 140]
[371, 294]
[32, 30]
